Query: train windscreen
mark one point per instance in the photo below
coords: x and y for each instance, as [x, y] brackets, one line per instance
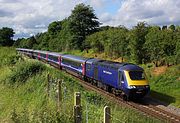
[137, 75]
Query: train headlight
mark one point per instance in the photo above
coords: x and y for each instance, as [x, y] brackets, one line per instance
[146, 86]
[131, 87]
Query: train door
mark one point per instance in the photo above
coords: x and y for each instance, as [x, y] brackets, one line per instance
[96, 72]
[121, 79]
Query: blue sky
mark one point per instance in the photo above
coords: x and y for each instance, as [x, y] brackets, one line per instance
[29, 17]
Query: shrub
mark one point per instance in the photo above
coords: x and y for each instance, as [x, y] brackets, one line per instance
[23, 71]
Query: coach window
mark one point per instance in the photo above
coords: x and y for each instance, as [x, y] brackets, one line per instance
[43, 55]
[55, 58]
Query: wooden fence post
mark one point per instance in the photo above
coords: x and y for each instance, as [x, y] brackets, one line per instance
[48, 84]
[77, 108]
[59, 93]
[107, 114]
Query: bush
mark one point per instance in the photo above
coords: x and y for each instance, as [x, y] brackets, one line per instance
[23, 71]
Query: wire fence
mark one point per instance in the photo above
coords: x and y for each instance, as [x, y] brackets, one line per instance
[92, 108]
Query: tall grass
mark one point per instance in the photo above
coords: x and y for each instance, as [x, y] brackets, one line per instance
[8, 56]
[25, 70]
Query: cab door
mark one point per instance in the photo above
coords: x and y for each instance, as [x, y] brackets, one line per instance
[121, 79]
[96, 72]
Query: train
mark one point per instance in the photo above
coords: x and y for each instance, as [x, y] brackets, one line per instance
[122, 79]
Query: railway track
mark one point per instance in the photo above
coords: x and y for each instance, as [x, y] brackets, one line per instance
[147, 109]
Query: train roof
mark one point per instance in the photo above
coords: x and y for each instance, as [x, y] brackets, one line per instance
[112, 64]
[39, 51]
[117, 65]
[54, 54]
[132, 67]
[23, 49]
[48, 52]
[75, 58]
[92, 60]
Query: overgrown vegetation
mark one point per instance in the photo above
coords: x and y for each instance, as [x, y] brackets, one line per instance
[166, 86]
[25, 70]
[8, 56]
[28, 102]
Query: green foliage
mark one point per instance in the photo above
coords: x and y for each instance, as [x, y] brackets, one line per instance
[83, 22]
[54, 28]
[43, 41]
[172, 27]
[8, 56]
[28, 43]
[96, 41]
[6, 35]
[137, 40]
[177, 51]
[154, 45]
[112, 41]
[24, 70]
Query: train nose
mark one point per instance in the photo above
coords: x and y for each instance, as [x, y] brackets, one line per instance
[139, 91]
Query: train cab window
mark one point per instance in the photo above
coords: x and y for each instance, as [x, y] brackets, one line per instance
[137, 75]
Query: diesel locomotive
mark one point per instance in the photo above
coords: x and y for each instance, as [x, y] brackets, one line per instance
[123, 79]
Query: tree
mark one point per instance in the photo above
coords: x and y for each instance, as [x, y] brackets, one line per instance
[153, 45]
[6, 36]
[177, 51]
[116, 43]
[96, 41]
[137, 40]
[177, 41]
[112, 41]
[169, 45]
[172, 27]
[164, 27]
[65, 37]
[83, 22]
[43, 41]
[31, 42]
[54, 28]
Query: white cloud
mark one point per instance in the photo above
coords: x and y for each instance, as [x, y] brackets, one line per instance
[33, 16]
[161, 12]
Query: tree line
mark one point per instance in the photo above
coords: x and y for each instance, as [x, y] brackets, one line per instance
[81, 30]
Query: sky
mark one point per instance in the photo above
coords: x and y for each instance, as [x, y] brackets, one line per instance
[29, 17]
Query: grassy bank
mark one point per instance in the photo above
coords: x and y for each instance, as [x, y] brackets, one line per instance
[165, 85]
[23, 95]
